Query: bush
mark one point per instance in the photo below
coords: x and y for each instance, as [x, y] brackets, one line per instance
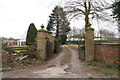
[31, 34]
[63, 38]
[90, 63]
[6, 58]
[32, 52]
[98, 60]
[56, 46]
[8, 49]
[113, 65]
[110, 65]
[49, 49]
[117, 62]
[81, 47]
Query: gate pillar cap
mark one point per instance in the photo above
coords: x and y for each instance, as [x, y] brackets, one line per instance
[42, 29]
[89, 29]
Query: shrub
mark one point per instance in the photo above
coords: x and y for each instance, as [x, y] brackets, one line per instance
[117, 62]
[98, 60]
[7, 59]
[31, 34]
[49, 49]
[109, 65]
[32, 51]
[8, 49]
[56, 46]
[113, 65]
[63, 38]
[90, 63]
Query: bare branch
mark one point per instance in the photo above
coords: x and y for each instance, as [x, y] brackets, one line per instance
[74, 16]
[89, 10]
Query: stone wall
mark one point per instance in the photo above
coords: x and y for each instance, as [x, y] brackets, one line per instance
[107, 53]
[104, 53]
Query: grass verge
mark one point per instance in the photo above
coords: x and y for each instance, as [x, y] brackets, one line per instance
[106, 70]
[111, 43]
[18, 51]
[102, 68]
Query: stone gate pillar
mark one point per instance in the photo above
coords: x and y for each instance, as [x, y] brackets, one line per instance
[41, 43]
[89, 44]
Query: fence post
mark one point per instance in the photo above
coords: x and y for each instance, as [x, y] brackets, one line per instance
[89, 44]
[41, 44]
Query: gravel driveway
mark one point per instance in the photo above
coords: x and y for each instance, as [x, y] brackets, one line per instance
[54, 69]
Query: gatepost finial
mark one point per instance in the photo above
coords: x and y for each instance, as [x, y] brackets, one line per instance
[42, 26]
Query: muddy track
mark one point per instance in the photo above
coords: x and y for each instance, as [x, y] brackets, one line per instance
[54, 69]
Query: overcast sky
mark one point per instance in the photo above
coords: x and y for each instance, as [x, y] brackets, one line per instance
[16, 15]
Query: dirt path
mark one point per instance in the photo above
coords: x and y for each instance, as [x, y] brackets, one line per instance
[48, 69]
[54, 69]
[83, 71]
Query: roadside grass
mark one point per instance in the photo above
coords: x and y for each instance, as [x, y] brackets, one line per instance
[19, 46]
[110, 43]
[102, 68]
[73, 45]
[18, 51]
[66, 59]
[106, 70]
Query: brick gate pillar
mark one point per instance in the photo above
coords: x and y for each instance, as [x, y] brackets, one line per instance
[41, 43]
[89, 44]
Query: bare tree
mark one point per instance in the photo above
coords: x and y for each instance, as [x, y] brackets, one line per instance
[76, 33]
[106, 35]
[88, 9]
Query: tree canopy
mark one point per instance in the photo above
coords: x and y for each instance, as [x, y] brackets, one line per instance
[116, 12]
[88, 10]
[58, 23]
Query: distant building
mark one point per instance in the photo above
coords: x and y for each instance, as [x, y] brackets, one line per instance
[22, 39]
[9, 42]
[73, 39]
[21, 42]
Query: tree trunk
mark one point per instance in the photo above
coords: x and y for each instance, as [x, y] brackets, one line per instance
[87, 12]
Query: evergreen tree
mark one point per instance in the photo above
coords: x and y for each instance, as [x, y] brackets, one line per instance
[116, 12]
[31, 34]
[58, 23]
[50, 25]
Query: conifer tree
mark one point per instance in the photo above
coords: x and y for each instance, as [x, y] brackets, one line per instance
[58, 23]
[31, 34]
[116, 12]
